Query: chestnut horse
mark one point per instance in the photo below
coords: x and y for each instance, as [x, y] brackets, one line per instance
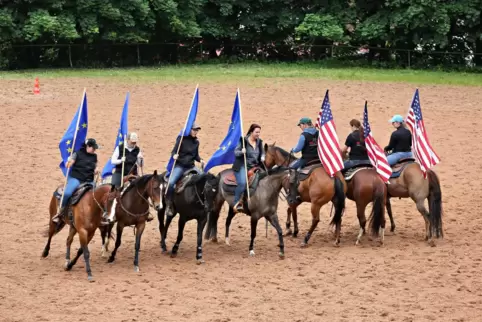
[407, 181]
[83, 215]
[318, 189]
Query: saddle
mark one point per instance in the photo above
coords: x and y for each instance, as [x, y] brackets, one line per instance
[305, 172]
[185, 179]
[77, 195]
[350, 172]
[398, 167]
[230, 183]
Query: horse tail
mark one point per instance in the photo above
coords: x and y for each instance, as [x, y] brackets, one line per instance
[339, 201]
[378, 209]
[435, 204]
[213, 217]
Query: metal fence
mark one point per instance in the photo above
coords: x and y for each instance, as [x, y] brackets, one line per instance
[125, 55]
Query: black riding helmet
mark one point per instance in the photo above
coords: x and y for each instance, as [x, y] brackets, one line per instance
[92, 143]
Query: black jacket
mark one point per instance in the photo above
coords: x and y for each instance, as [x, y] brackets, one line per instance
[400, 141]
[189, 151]
[239, 156]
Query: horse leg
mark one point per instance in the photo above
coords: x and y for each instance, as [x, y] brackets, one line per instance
[254, 224]
[288, 222]
[160, 217]
[70, 238]
[294, 212]
[180, 232]
[275, 223]
[201, 223]
[164, 234]
[389, 211]
[230, 217]
[120, 228]
[424, 212]
[84, 238]
[139, 230]
[315, 214]
[53, 229]
[103, 235]
[360, 212]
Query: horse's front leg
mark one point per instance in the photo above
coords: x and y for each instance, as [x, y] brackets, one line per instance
[389, 211]
[180, 232]
[273, 219]
[162, 228]
[139, 230]
[289, 232]
[201, 223]
[229, 219]
[164, 234]
[254, 224]
[70, 239]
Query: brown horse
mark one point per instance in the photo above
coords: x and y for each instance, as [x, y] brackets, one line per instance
[407, 181]
[131, 208]
[365, 186]
[317, 187]
[83, 215]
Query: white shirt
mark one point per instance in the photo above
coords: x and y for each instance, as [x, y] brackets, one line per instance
[115, 157]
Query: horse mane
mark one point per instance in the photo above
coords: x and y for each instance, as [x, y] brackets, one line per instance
[198, 177]
[139, 181]
[273, 171]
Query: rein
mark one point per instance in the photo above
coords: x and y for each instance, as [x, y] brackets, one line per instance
[149, 205]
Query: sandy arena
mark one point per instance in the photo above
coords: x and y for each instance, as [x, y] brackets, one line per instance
[405, 280]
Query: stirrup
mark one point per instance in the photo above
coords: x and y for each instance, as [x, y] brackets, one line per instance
[149, 217]
[238, 205]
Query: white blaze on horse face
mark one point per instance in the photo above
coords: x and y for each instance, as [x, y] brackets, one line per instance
[112, 211]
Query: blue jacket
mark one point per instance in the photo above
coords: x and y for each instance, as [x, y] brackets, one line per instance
[301, 142]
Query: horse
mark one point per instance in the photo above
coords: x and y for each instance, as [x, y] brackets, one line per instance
[407, 181]
[189, 202]
[315, 186]
[264, 190]
[131, 208]
[83, 215]
[364, 185]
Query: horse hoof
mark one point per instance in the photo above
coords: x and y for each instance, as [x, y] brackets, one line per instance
[431, 243]
[336, 243]
[110, 260]
[136, 269]
[90, 278]
[251, 253]
[173, 255]
[200, 261]
[281, 255]
[214, 240]
[303, 245]
[288, 232]
[67, 266]
[357, 242]
[227, 241]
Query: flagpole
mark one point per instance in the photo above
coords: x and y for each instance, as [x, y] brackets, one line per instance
[123, 162]
[183, 130]
[244, 147]
[73, 146]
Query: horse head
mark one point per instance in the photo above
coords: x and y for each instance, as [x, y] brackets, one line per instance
[276, 156]
[153, 190]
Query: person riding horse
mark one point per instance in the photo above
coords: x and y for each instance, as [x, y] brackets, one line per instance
[255, 156]
[132, 160]
[308, 146]
[355, 146]
[188, 153]
[83, 164]
[400, 141]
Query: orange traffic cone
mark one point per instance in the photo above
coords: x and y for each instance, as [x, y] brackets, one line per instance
[36, 87]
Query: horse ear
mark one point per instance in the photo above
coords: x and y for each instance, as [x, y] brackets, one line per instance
[155, 172]
[273, 143]
[266, 147]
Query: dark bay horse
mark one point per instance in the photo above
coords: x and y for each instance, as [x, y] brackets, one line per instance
[83, 215]
[263, 202]
[365, 186]
[318, 188]
[407, 181]
[189, 202]
[131, 208]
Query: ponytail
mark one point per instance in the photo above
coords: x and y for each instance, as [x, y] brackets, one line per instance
[359, 127]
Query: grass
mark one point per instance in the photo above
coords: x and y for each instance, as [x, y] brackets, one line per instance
[256, 71]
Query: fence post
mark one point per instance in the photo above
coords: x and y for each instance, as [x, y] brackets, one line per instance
[138, 56]
[409, 64]
[332, 50]
[70, 56]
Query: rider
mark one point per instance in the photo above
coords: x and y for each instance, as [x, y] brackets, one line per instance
[132, 160]
[188, 153]
[308, 146]
[83, 167]
[355, 146]
[400, 141]
[255, 156]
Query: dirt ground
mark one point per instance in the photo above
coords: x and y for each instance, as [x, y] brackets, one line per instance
[405, 280]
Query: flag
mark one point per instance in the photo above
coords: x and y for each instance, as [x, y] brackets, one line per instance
[375, 152]
[191, 118]
[421, 147]
[328, 146]
[75, 134]
[225, 153]
[123, 128]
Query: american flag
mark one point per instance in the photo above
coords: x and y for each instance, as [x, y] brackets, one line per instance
[328, 147]
[422, 149]
[375, 152]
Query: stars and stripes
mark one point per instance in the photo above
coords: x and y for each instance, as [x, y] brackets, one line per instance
[421, 147]
[328, 146]
[375, 152]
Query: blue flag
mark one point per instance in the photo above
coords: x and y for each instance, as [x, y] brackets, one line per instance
[76, 133]
[190, 121]
[107, 171]
[225, 153]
